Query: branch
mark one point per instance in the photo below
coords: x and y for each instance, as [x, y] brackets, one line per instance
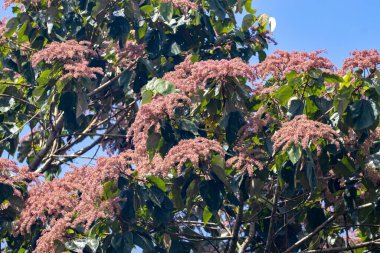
[271, 225]
[235, 233]
[319, 228]
[342, 249]
[50, 141]
[248, 240]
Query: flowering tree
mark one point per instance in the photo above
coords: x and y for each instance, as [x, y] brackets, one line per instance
[208, 153]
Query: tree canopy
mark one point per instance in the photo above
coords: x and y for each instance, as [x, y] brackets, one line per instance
[207, 152]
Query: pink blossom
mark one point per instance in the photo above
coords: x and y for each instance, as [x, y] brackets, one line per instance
[10, 173]
[182, 4]
[362, 59]
[8, 3]
[194, 150]
[282, 62]
[149, 117]
[129, 54]
[75, 199]
[245, 161]
[189, 76]
[353, 236]
[3, 29]
[73, 55]
[302, 132]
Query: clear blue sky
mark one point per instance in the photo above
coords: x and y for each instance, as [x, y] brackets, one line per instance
[339, 26]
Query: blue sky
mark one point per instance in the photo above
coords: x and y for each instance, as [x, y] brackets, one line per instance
[339, 26]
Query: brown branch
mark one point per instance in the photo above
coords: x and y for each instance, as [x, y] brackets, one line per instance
[271, 224]
[49, 142]
[342, 249]
[309, 236]
[236, 229]
[249, 239]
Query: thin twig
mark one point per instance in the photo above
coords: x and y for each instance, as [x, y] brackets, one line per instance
[342, 249]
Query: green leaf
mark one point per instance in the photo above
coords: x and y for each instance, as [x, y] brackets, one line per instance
[123, 243]
[332, 78]
[110, 190]
[295, 153]
[342, 99]
[206, 215]
[210, 192]
[216, 6]
[295, 108]
[284, 93]
[248, 7]
[6, 191]
[235, 121]
[159, 86]
[143, 241]
[157, 182]
[310, 174]
[363, 114]
[248, 21]
[166, 11]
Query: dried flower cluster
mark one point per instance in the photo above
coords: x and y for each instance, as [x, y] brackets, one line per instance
[362, 59]
[72, 200]
[149, 117]
[189, 76]
[302, 132]
[182, 4]
[193, 150]
[282, 62]
[130, 54]
[73, 55]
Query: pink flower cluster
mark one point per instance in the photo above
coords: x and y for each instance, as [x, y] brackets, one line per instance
[362, 59]
[130, 54]
[302, 132]
[189, 76]
[10, 174]
[282, 62]
[248, 158]
[246, 161]
[193, 150]
[72, 200]
[73, 55]
[148, 117]
[3, 29]
[8, 3]
[182, 4]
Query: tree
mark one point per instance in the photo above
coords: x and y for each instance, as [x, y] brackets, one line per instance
[208, 153]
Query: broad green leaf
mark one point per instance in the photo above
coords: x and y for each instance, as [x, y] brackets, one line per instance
[248, 21]
[295, 153]
[284, 93]
[157, 182]
[166, 10]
